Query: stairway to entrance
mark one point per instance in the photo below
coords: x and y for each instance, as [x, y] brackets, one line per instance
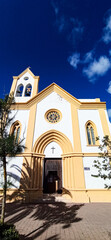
[52, 198]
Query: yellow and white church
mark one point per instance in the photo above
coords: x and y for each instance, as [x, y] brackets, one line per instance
[59, 133]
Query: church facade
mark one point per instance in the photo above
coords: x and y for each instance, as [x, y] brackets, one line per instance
[59, 133]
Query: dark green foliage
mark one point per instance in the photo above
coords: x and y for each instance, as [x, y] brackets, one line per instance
[8, 232]
[5, 105]
[104, 165]
[8, 144]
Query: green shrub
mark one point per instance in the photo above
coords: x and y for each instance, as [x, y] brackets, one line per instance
[8, 232]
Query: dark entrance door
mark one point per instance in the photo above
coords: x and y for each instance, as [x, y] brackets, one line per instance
[52, 175]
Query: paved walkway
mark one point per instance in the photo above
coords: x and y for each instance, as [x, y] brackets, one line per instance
[60, 220]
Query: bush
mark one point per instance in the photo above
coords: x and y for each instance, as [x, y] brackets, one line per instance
[8, 232]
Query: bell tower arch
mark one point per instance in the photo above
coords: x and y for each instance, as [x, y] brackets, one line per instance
[24, 86]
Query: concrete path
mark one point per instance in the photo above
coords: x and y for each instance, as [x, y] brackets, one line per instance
[60, 220]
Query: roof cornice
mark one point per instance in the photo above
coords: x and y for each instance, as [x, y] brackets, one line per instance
[56, 88]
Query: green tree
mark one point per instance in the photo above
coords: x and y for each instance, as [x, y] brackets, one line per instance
[8, 144]
[103, 164]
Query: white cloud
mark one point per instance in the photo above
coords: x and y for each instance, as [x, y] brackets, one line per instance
[74, 60]
[76, 30]
[97, 68]
[107, 31]
[60, 22]
[71, 27]
[88, 57]
[55, 7]
[109, 88]
[109, 113]
[76, 25]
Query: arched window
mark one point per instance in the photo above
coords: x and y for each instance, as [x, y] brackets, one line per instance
[28, 90]
[19, 90]
[91, 133]
[15, 130]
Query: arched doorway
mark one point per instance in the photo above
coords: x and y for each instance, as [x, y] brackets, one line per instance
[39, 149]
[52, 170]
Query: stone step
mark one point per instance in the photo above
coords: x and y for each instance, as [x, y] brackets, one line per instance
[52, 198]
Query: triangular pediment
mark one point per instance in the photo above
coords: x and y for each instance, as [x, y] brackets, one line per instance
[54, 88]
[27, 70]
[64, 94]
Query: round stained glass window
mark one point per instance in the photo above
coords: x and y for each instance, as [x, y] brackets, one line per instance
[53, 116]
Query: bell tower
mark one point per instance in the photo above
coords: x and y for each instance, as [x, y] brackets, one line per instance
[25, 86]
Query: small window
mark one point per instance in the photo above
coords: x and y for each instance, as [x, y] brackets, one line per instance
[26, 78]
[19, 90]
[90, 130]
[92, 136]
[28, 90]
[88, 135]
[15, 130]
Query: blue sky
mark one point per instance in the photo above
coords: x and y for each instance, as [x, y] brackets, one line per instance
[63, 41]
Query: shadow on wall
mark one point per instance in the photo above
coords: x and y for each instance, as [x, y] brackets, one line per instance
[13, 193]
[26, 182]
[25, 174]
[67, 192]
[45, 216]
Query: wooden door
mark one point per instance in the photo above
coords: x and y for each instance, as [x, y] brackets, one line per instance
[52, 175]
